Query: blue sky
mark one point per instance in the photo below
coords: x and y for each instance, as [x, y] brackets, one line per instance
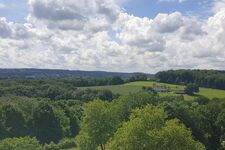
[150, 8]
[14, 10]
[17, 10]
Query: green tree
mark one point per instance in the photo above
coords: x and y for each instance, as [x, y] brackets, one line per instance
[25, 143]
[125, 104]
[45, 124]
[148, 129]
[190, 89]
[116, 80]
[98, 125]
[12, 121]
[221, 124]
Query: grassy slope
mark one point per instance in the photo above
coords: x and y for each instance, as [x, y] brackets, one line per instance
[136, 86]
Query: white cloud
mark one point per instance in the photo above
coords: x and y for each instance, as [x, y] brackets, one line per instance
[218, 5]
[98, 35]
[74, 14]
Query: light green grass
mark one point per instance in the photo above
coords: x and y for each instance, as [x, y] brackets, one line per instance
[119, 89]
[73, 149]
[134, 87]
[212, 93]
[151, 84]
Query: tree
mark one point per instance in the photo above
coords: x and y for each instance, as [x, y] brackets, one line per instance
[12, 121]
[139, 77]
[116, 80]
[25, 143]
[45, 124]
[190, 89]
[221, 124]
[125, 104]
[98, 125]
[148, 129]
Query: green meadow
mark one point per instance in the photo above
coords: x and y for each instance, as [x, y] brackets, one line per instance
[134, 87]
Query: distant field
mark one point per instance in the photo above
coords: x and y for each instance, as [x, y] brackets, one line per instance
[137, 86]
[120, 89]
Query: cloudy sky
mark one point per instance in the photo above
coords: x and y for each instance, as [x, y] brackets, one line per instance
[112, 35]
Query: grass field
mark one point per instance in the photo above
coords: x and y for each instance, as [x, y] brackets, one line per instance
[134, 87]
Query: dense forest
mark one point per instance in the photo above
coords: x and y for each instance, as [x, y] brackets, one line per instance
[55, 114]
[136, 121]
[203, 78]
[59, 88]
[52, 73]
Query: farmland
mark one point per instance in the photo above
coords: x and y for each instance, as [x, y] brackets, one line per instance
[134, 87]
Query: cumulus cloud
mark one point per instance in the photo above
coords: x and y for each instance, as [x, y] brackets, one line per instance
[168, 22]
[74, 14]
[5, 30]
[99, 35]
[218, 5]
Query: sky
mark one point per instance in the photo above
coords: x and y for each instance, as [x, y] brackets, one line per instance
[113, 35]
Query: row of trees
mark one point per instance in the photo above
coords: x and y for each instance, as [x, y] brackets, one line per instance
[204, 78]
[55, 92]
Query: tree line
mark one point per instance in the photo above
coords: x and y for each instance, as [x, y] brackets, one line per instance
[203, 78]
[53, 89]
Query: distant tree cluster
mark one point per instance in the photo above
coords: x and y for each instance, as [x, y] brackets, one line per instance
[191, 88]
[203, 78]
[62, 89]
[139, 77]
[45, 120]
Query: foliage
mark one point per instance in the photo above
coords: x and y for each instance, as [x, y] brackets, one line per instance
[203, 78]
[190, 89]
[98, 124]
[125, 104]
[12, 121]
[25, 143]
[49, 124]
[63, 144]
[147, 129]
[57, 114]
[139, 77]
[59, 89]
[220, 122]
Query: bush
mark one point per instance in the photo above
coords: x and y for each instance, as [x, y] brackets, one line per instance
[63, 144]
[25, 143]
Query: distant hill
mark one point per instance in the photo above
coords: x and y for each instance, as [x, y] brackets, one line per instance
[51, 73]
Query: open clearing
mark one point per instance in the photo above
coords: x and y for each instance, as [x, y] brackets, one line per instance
[134, 87]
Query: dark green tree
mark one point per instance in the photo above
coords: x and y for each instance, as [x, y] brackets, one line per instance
[12, 121]
[191, 88]
[45, 124]
[116, 80]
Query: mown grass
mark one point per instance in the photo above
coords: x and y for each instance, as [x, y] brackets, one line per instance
[134, 87]
[119, 89]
